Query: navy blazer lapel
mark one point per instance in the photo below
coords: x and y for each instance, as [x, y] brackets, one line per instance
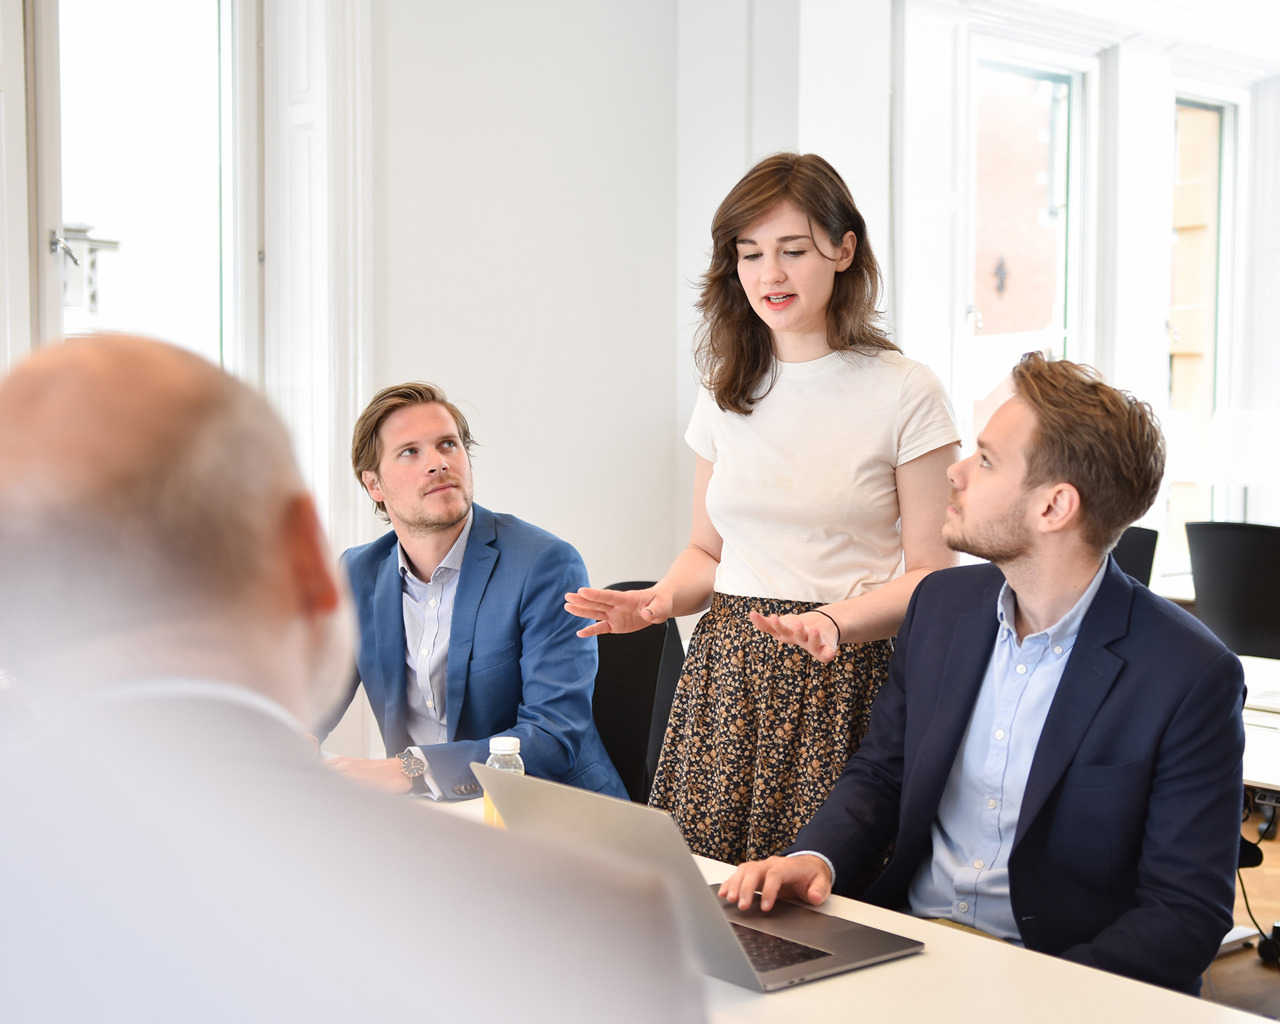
[389, 649]
[478, 562]
[1088, 677]
[958, 676]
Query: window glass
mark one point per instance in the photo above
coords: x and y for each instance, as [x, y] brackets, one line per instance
[140, 169]
[1192, 325]
[1020, 295]
[1020, 225]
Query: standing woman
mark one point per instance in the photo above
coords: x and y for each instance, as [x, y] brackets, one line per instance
[819, 497]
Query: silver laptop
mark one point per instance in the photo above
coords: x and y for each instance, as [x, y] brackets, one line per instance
[764, 951]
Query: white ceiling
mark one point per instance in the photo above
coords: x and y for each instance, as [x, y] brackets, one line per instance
[1234, 41]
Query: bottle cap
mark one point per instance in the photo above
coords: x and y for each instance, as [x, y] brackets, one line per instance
[504, 745]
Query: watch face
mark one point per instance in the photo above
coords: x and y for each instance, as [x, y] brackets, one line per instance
[412, 766]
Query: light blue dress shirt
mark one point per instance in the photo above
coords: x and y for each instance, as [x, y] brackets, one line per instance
[967, 878]
[428, 616]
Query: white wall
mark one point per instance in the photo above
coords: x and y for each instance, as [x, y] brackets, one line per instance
[524, 180]
[928, 122]
[756, 77]
[1134, 204]
[1256, 383]
[846, 77]
[543, 180]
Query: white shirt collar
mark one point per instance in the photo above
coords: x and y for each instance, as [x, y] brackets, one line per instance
[227, 693]
[452, 560]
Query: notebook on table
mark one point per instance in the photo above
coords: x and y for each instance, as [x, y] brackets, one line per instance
[790, 944]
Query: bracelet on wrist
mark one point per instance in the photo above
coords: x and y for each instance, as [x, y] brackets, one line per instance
[833, 622]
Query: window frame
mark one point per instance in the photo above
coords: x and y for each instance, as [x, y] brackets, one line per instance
[1078, 331]
[1229, 500]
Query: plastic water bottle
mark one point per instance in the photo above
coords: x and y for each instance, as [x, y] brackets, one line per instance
[504, 755]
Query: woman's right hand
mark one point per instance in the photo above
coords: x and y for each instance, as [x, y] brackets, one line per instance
[618, 611]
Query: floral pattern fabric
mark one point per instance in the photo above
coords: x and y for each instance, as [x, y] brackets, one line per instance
[760, 730]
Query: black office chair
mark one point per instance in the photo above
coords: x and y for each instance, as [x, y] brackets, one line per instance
[635, 684]
[1135, 552]
[1235, 568]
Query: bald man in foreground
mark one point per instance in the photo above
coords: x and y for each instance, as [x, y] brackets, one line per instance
[173, 848]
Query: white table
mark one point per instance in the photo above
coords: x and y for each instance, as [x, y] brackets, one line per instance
[958, 978]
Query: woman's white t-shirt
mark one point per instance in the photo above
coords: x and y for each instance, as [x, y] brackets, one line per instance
[803, 492]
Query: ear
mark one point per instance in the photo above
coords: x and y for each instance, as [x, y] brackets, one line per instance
[848, 246]
[370, 480]
[1059, 508]
[313, 574]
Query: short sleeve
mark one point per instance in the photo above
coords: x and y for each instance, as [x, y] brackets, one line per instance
[700, 435]
[925, 417]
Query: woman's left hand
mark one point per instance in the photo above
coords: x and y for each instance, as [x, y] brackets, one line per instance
[814, 632]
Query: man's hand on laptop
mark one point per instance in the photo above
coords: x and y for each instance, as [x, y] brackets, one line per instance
[802, 877]
[373, 772]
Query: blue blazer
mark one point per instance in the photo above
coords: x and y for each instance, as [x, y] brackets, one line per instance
[1126, 847]
[516, 667]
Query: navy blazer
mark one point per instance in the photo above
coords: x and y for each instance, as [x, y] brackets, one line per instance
[1126, 848]
[516, 666]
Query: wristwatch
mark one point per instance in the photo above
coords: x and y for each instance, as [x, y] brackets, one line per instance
[412, 765]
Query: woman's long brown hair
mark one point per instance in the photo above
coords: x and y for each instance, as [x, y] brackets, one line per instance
[735, 348]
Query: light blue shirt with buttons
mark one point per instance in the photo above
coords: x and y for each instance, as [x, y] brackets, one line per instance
[428, 617]
[967, 878]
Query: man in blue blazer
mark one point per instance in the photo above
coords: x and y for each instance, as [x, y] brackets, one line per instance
[463, 632]
[1056, 757]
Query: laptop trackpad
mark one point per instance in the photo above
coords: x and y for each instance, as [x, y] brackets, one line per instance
[788, 920]
[807, 926]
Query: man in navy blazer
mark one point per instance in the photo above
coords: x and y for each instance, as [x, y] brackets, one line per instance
[463, 632]
[1056, 757]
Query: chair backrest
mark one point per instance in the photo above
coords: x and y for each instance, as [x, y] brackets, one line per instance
[1236, 571]
[635, 684]
[1135, 552]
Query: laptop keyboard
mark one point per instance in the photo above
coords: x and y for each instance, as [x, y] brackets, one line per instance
[770, 952]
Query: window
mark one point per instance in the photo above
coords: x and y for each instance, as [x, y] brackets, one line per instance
[1021, 196]
[1023, 249]
[1192, 322]
[1165, 283]
[141, 175]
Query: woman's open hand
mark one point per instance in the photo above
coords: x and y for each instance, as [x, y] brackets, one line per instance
[617, 611]
[814, 632]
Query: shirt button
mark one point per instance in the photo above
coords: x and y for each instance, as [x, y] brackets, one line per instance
[978, 864]
[999, 734]
[962, 907]
[1058, 649]
[992, 804]
[1022, 670]
[432, 602]
[431, 704]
